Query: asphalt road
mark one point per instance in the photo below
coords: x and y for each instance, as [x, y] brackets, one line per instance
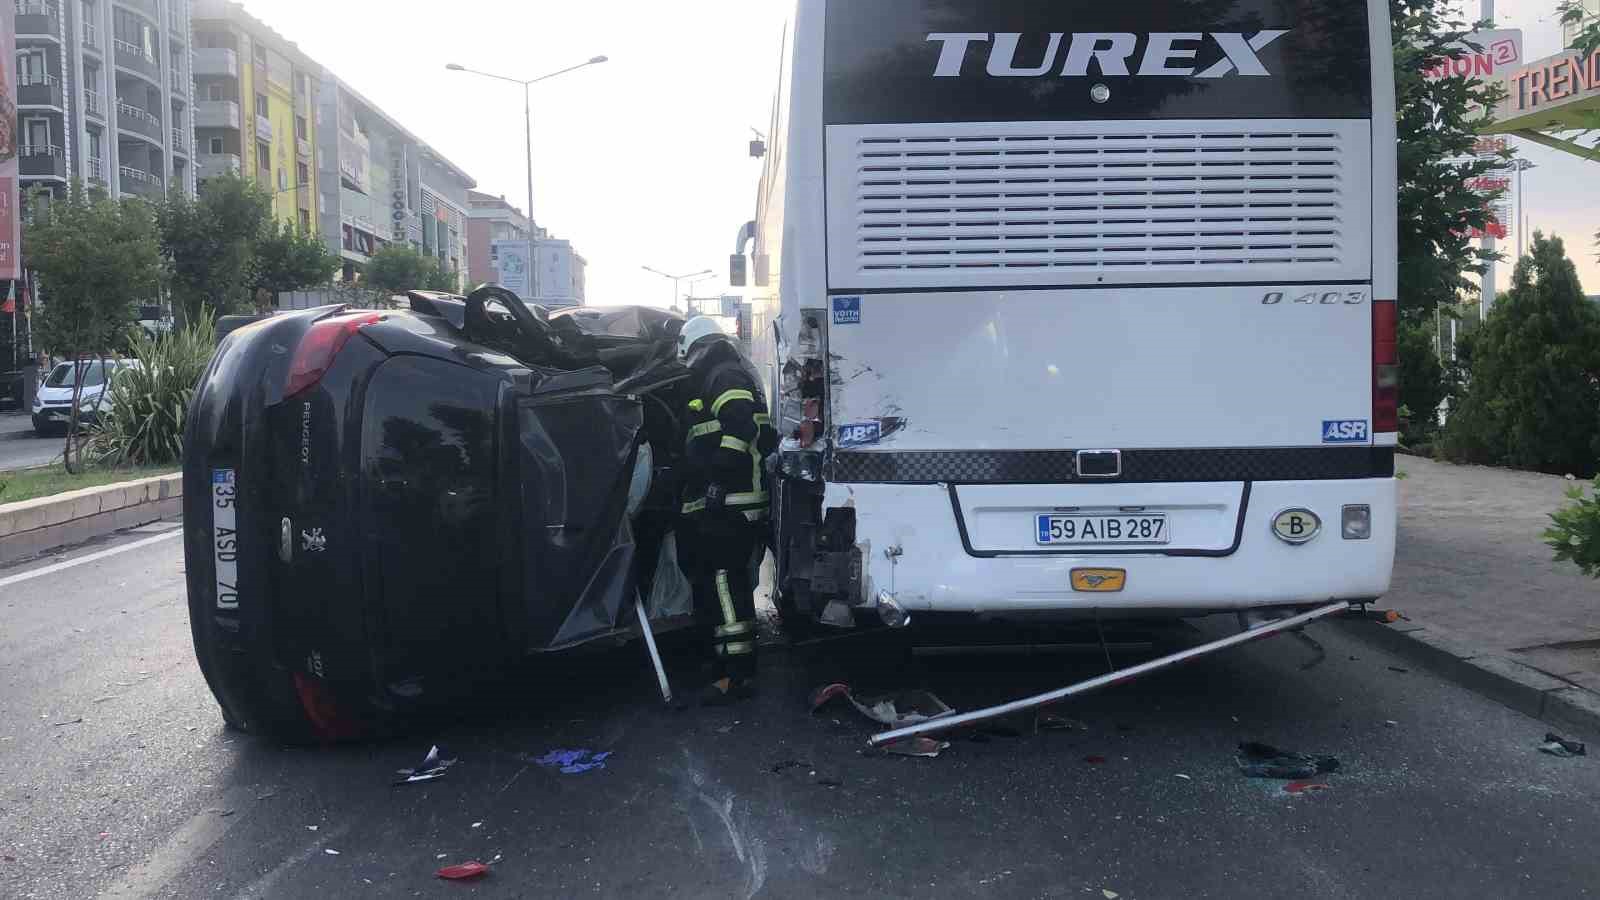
[20, 448]
[118, 779]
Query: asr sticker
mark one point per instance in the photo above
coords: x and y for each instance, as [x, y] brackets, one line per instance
[860, 434]
[847, 310]
[1344, 431]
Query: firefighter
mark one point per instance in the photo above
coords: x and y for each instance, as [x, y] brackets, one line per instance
[723, 531]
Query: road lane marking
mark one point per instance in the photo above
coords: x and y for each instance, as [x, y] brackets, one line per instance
[83, 560]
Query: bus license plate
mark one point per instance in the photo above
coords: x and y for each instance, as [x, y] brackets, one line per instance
[1123, 529]
[225, 536]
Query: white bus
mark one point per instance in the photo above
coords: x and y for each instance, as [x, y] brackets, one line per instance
[1079, 307]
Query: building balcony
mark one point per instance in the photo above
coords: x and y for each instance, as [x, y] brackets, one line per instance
[95, 169]
[94, 104]
[180, 84]
[39, 90]
[180, 141]
[302, 148]
[39, 20]
[218, 164]
[216, 114]
[141, 183]
[216, 61]
[263, 128]
[42, 161]
[91, 37]
[147, 7]
[138, 121]
[133, 58]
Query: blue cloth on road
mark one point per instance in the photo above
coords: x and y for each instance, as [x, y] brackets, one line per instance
[573, 762]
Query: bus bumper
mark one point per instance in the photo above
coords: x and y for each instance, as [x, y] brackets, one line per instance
[914, 544]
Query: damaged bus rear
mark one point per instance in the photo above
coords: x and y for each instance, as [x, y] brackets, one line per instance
[1080, 308]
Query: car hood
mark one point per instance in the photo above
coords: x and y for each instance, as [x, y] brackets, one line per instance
[60, 394]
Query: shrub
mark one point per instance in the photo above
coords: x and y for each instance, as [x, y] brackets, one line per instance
[1532, 396]
[1574, 532]
[1422, 383]
[149, 405]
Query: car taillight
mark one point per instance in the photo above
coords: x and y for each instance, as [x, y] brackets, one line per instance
[321, 343]
[1385, 367]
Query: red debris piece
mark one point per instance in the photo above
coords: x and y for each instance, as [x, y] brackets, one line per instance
[463, 871]
[822, 695]
[1301, 787]
[1095, 760]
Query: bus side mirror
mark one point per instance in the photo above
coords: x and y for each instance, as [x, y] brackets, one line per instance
[736, 270]
[758, 149]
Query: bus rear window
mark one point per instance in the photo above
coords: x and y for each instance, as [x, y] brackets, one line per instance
[894, 61]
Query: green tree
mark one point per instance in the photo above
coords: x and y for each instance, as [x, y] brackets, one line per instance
[285, 258]
[209, 244]
[396, 269]
[1423, 377]
[96, 259]
[1437, 122]
[1533, 395]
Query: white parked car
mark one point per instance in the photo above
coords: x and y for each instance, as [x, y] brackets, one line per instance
[52, 406]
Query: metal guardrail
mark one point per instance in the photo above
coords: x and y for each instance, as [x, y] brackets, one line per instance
[138, 175]
[40, 150]
[31, 78]
[137, 113]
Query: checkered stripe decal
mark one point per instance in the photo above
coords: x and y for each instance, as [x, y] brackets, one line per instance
[1057, 466]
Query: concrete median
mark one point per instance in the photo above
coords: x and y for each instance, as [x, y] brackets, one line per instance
[30, 527]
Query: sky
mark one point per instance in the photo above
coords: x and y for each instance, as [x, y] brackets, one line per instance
[643, 161]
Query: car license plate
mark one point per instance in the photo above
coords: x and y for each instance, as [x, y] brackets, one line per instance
[225, 536]
[1142, 528]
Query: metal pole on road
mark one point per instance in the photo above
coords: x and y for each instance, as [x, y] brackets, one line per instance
[945, 723]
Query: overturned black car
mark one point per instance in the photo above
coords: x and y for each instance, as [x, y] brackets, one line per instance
[386, 509]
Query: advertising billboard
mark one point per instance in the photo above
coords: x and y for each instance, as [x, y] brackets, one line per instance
[510, 262]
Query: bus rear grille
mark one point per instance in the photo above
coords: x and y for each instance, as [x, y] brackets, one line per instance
[1018, 204]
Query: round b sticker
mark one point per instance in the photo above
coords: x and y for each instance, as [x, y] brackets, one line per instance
[1296, 525]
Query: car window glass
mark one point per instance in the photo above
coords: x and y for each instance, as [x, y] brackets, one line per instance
[65, 375]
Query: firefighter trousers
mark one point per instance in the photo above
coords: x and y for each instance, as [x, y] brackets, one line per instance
[718, 556]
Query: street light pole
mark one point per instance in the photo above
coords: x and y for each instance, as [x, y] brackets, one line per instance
[1522, 165]
[675, 279]
[527, 120]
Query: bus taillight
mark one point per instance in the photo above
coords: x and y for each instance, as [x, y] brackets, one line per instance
[1385, 368]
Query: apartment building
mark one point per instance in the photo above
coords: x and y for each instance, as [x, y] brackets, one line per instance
[380, 184]
[256, 108]
[104, 96]
[560, 269]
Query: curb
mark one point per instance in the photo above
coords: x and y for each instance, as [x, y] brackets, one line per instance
[1525, 689]
[30, 527]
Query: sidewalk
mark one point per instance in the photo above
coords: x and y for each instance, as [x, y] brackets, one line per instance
[1484, 598]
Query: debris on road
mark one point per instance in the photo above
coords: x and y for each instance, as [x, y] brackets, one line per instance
[1305, 787]
[433, 767]
[900, 709]
[927, 748]
[1258, 760]
[790, 764]
[463, 871]
[1095, 759]
[330, 851]
[1390, 723]
[1400, 669]
[573, 762]
[77, 721]
[1109, 894]
[1183, 776]
[1556, 745]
